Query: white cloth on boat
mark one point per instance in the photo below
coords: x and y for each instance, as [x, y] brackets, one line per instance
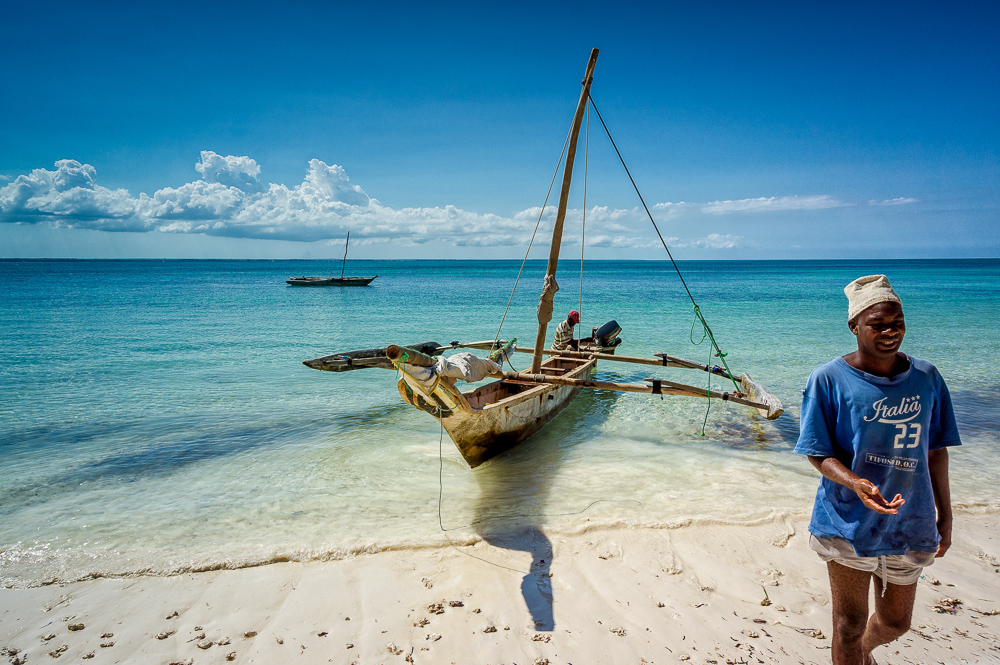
[465, 366]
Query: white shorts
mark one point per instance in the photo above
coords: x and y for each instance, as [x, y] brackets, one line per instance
[900, 569]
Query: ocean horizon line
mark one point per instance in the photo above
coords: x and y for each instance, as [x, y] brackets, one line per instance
[509, 260]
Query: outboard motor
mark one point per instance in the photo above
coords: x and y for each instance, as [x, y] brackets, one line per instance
[606, 337]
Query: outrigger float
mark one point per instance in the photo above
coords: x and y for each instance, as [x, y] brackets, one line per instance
[494, 417]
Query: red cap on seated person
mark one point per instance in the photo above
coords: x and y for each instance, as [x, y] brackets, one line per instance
[574, 316]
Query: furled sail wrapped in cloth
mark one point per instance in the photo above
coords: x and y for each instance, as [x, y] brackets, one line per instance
[464, 366]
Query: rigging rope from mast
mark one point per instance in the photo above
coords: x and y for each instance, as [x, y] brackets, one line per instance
[697, 310]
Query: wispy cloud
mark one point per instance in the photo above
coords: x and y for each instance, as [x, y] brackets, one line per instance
[893, 202]
[773, 204]
[716, 241]
[625, 241]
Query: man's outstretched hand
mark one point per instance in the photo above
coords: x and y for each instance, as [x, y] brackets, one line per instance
[872, 498]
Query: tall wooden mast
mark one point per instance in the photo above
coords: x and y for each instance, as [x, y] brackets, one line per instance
[550, 286]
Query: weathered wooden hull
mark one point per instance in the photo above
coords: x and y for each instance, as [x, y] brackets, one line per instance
[333, 281]
[497, 416]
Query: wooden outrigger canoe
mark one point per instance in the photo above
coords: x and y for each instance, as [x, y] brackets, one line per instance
[487, 421]
[497, 416]
[490, 419]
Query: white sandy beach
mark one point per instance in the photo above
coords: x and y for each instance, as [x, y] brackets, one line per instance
[691, 594]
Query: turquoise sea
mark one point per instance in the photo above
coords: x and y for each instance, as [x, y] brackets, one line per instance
[155, 417]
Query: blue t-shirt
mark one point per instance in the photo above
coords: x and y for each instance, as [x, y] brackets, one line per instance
[881, 429]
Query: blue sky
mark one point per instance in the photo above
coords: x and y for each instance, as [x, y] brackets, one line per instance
[432, 130]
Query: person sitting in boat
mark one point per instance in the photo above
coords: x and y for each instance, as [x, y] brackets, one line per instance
[564, 332]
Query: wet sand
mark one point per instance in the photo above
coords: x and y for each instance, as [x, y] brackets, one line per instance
[697, 594]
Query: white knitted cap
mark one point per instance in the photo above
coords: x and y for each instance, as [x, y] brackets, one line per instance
[866, 291]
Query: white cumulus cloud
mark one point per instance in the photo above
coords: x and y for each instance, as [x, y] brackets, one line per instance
[230, 199]
[69, 195]
[239, 172]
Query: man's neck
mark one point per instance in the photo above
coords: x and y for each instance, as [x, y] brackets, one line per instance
[876, 366]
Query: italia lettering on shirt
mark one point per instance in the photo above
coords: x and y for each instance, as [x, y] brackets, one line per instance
[892, 414]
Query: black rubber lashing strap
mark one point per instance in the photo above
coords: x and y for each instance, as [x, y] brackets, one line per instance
[656, 387]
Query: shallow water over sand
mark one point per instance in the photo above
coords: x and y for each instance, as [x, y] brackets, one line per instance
[156, 416]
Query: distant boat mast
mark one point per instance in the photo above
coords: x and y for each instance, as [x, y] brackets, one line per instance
[344, 264]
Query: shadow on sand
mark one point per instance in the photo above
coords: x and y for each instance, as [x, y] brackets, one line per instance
[514, 491]
[507, 516]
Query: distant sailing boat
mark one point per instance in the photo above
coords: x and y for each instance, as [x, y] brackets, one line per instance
[331, 280]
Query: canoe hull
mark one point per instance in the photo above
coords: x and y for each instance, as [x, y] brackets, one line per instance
[332, 281]
[497, 416]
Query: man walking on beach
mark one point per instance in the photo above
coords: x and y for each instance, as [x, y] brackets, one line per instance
[877, 423]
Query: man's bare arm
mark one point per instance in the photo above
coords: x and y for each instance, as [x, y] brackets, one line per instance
[834, 469]
[937, 461]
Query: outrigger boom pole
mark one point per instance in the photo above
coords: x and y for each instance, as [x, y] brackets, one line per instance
[753, 394]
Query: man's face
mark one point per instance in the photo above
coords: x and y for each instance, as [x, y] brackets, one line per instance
[879, 329]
